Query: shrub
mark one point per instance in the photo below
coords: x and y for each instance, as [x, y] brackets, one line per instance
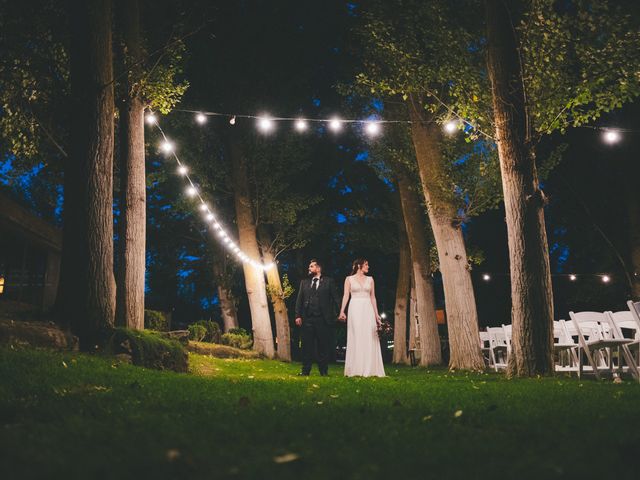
[238, 338]
[155, 320]
[214, 334]
[148, 349]
[197, 332]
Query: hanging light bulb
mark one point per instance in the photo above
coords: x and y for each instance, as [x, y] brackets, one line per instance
[265, 124]
[450, 127]
[373, 128]
[201, 118]
[203, 207]
[301, 125]
[611, 136]
[606, 278]
[383, 315]
[166, 146]
[232, 121]
[572, 277]
[335, 124]
[151, 118]
[192, 191]
[210, 217]
[217, 226]
[183, 170]
[486, 277]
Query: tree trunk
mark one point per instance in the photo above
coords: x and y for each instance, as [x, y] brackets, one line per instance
[253, 277]
[413, 316]
[227, 302]
[430, 352]
[88, 294]
[283, 334]
[132, 231]
[633, 217]
[403, 288]
[459, 297]
[531, 294]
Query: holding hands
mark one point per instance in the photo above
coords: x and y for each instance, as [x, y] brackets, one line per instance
[342, 317]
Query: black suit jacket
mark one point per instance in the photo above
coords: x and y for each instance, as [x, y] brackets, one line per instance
[329, 299]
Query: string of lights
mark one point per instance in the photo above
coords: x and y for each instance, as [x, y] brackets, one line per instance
[373, 126]
[168, 148]
[573, 277]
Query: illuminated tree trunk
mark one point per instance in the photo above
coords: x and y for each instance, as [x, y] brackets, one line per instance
[430, 353]
[403, 288]
[531, 294]
[88, 293]
[227, 301]
[283, 333]
[132, 222]
[413, 316]
[253, 277]
[452, 256]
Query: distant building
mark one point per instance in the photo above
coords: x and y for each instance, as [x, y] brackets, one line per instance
[30, 249]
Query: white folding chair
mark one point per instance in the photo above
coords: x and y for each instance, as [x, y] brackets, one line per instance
[497, 347]
[485, 347]
[564, 348]
[597, 336]
[625, 322]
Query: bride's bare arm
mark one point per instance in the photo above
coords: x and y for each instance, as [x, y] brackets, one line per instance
[345, 296]
[374, 302]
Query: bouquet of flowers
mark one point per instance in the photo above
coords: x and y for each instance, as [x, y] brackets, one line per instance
[385, 329]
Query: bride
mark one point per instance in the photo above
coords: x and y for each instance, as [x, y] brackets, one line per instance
[364, 357]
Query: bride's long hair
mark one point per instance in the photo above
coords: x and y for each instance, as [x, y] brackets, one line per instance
[357, 265]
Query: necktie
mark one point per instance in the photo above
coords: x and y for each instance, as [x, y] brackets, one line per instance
[315, 283]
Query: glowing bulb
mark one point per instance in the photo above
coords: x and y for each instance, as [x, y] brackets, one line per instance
[268, 266]
[612, 136]
[151, 119]
[201, 118]
[606, 278]
[210, 217]
[216, 226]
[383, 315]
[335, 124]
[232, 121]
[301, 125]
[373, 128]
[166, 146]
[192, 191]
[572, 277]
[204, 207]
[265, 124]
[486, 277]
[183, 170]
[451, 126]
[220, 231]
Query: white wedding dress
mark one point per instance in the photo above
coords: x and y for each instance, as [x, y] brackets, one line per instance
[364, 357]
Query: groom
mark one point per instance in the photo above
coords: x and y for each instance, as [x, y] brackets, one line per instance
[316, 312]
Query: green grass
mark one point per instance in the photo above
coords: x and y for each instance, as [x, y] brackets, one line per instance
[76, 416]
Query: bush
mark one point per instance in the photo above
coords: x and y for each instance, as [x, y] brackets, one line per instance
[238, 338]
[148, 349]
[197, 332]
[155, 320]
[214, 334]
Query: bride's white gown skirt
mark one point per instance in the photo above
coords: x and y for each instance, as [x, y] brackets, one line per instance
[363, 357]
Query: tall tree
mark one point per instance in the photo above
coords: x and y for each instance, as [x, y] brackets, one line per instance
[531, 294]
[403, 290]
[132, 220]
[248, 242]
[87, 282]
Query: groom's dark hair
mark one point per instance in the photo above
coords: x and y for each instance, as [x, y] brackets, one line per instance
[316, 261]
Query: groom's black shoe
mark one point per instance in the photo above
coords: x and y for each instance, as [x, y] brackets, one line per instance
[324, 374]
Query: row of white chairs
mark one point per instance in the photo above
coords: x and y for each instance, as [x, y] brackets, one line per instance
[593, 342]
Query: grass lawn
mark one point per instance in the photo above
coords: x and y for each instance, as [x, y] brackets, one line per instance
[67, 415]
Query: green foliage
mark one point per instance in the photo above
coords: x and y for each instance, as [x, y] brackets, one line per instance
[162, 86]
[283, 293]
[155, 320]
[213, 332]
[197, 332]
[148, 349]
[238, 338]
